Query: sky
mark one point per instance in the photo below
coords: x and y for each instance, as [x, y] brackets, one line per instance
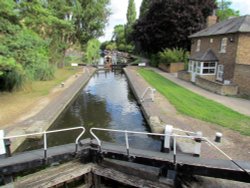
[119, 10]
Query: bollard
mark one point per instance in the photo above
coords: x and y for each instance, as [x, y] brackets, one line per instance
[62, 84]
[197, 147]
[218, 137]
[167, 139]
[7, 144]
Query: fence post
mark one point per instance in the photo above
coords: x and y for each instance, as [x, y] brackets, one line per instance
[127, 144]
[167, 138]
[174, 137]
[197, 147]
[45, 147]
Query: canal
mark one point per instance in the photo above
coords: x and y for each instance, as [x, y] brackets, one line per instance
[105, 102]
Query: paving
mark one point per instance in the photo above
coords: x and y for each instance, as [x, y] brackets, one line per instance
[232, 142]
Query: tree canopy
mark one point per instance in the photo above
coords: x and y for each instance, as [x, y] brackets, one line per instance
[35, 35]
[224, 11]
[167, 24]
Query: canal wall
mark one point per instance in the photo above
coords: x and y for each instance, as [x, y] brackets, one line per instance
[46, 116]
[149, 108]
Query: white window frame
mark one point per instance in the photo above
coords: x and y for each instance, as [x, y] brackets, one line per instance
[200, 67]
[190, 66]
[198, 45]
[223, 45]
[220, 72]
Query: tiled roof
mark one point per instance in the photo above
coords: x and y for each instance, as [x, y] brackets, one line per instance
[207, 56]
[232, 25]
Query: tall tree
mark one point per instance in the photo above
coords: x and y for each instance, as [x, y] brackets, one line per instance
[224, 11]
[131, 17]
[168, 23]
[144, 7]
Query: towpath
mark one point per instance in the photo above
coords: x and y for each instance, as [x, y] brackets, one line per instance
[232, 142]
[238, 104]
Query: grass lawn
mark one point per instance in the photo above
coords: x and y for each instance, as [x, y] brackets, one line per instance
[194, 105]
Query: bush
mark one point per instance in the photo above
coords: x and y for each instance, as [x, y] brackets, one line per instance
[11, 74]
[175, 55]
[154, 60]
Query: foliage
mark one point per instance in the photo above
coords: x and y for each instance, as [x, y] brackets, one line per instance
[120, 40]
[224, 11]
[175, 55]
[11, 74]
[93, 51]
[154, 60]
[36, 34]
[167, 24]
[131, 17]
[144, 7]
[194, 105]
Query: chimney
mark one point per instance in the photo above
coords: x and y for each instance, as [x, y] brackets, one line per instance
[211, 20]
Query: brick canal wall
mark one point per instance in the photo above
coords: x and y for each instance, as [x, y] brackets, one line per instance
[147, 106]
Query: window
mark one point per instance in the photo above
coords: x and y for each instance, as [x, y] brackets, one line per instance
[220, 72]
[211, 40]
[198, 47]
[190, 66]
[223, 45]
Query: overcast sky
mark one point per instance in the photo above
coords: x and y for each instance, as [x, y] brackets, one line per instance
[119, 10]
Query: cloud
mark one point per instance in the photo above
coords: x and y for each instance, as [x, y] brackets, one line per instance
[242, 5]
[119, 10]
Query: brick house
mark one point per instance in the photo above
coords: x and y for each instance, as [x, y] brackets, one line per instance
[220, 57]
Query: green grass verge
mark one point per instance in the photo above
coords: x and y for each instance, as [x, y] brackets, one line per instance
[194, 105]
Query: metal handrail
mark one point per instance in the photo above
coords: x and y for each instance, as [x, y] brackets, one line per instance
[158, 134]
[142, 133]
[44, 133]
[145, 92]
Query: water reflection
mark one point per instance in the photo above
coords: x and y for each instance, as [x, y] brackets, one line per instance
[105, 102]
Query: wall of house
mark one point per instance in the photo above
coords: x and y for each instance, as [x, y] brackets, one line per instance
[243, 55]
[216, 87]
[214, 43]
[242, 78]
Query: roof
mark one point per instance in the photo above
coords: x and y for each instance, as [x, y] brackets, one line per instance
[232, 25]
[209, 55]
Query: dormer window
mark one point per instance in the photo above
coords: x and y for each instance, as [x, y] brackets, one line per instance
[198, 47]
[223, 45]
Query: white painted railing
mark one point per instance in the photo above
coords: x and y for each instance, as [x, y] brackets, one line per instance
[152, 94]
[126, 133]
[45, 133]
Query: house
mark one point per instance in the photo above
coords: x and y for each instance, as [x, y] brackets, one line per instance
[220, 57]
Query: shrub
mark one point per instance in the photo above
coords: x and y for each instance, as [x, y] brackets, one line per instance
[11, 74]
[154, 60]
[175, 55]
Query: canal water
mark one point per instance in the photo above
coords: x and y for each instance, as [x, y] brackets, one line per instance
[105, 102]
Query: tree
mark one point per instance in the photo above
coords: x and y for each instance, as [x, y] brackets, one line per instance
[131, 17]
[144, 7]
[36, 34]
[93, 51]
[167, 24]
[224, 11]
